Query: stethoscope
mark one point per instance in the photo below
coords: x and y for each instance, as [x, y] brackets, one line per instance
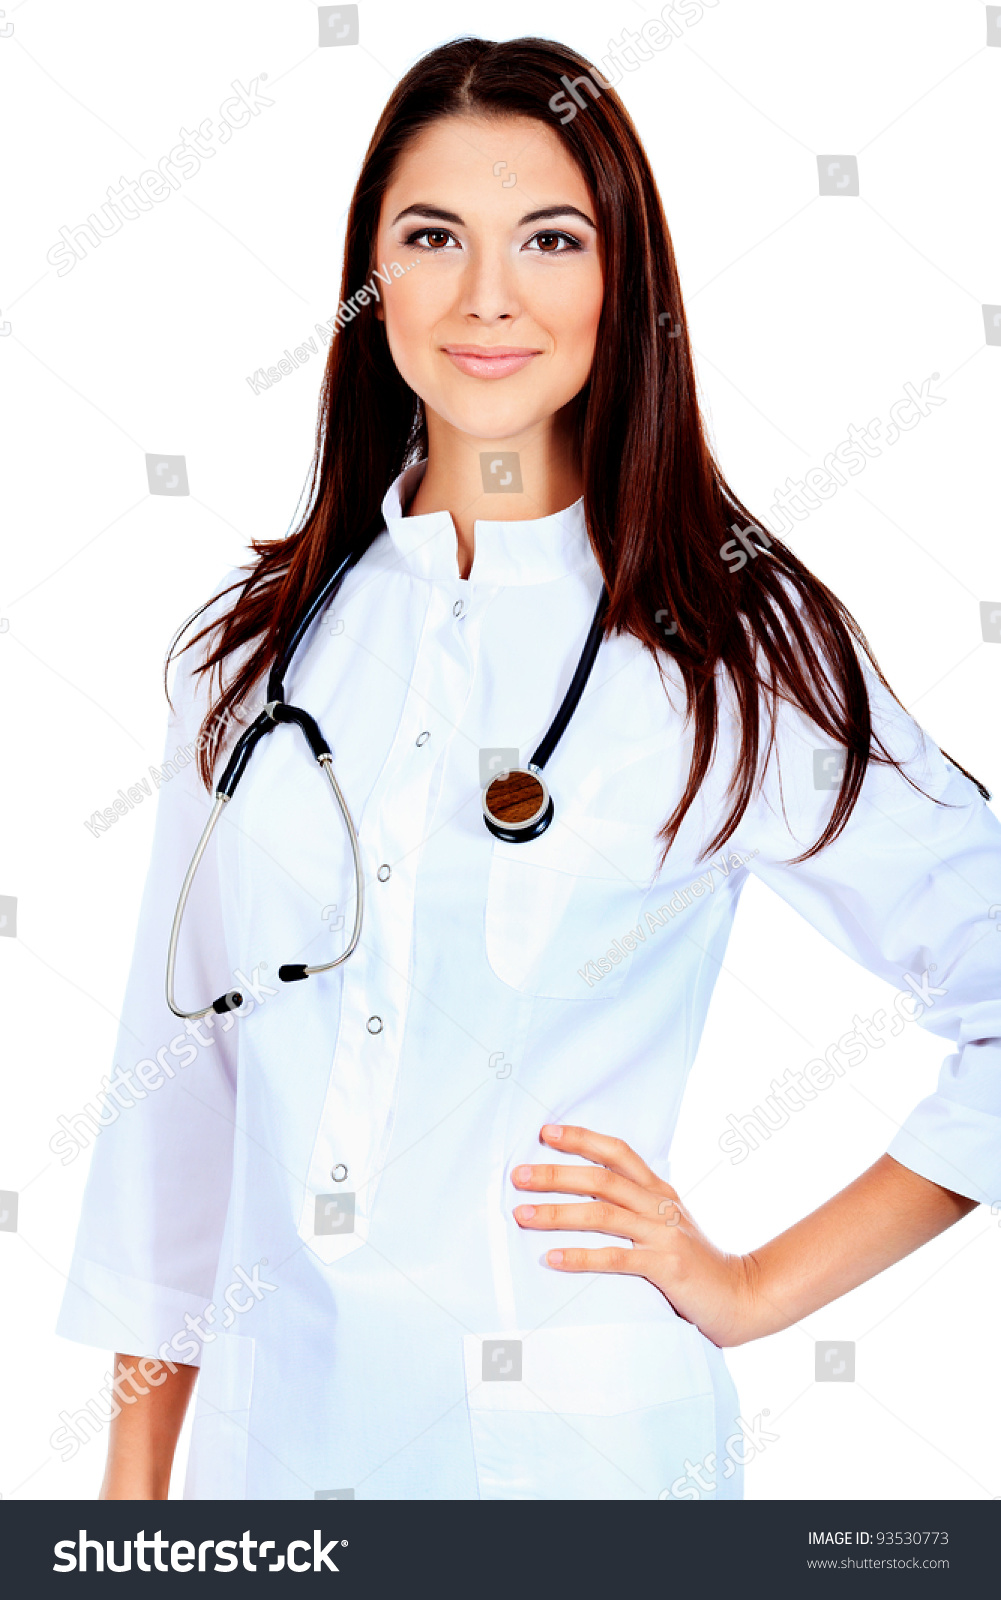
[517, 804]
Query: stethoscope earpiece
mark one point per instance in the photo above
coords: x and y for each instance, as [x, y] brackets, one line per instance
[517, 805]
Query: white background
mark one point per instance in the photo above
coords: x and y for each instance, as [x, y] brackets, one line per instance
[807, 314]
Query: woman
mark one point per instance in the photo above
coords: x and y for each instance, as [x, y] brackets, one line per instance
[334, 1202]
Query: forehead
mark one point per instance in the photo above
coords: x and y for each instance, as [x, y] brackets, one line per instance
[460, 157]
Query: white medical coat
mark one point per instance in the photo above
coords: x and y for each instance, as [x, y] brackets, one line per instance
[366, 1334]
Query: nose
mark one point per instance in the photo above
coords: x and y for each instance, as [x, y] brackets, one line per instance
[488, 292]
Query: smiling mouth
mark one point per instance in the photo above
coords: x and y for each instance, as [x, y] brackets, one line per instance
[489, 361]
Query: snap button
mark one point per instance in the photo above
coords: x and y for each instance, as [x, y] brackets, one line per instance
[458, 609]
[339, 1173]
[374, 1024]
[422, 738]
[384, 872]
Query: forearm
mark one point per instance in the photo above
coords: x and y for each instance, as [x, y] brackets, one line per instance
[144, 1435]
[878, 1219]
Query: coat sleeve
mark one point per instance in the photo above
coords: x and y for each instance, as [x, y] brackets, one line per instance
[911, 890]
[162, 1130]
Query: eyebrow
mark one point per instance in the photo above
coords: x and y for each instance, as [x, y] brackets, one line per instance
[545, 214]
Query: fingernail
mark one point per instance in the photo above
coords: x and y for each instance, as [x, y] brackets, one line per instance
[522, 1174]
[552, 1130]
[525, 1213]
[554, 1257]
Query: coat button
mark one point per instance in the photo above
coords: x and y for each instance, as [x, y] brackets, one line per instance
[458, 609]
[422, 738]
[339, 1173]
[384, 872]
[374, 1024]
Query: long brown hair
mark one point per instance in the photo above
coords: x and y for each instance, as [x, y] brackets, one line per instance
[659, 512]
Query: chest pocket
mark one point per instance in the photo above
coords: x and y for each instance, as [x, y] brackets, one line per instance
[563, 910]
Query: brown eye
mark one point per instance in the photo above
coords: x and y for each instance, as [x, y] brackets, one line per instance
[436, 238]
[552, 242]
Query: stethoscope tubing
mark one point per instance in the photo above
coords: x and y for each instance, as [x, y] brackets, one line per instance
[277, 710]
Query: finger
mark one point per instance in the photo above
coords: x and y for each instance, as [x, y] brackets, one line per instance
[611, 1259]
[598, 1217]
[596, 1181]
[615, 1154]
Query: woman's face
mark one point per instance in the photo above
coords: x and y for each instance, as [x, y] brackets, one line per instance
[497, 228]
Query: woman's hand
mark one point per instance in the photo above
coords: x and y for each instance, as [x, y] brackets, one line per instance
[879, 1218]
[705, 1286]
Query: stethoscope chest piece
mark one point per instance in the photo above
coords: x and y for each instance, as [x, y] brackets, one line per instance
[517, 805]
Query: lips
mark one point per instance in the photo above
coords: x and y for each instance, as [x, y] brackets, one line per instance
[489, 361]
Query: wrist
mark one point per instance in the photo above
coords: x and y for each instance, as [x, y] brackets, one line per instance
[755, 1313]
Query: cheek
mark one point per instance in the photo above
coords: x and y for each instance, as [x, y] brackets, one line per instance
[576, 343]
[585, 337]
[571, 311]
[414, 306]
[402, 328]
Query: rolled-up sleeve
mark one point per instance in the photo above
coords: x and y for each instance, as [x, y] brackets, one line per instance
[155, 1202]
[911, 889]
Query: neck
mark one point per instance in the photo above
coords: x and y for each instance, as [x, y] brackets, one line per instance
[454, 478]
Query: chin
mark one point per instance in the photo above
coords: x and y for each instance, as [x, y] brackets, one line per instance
[501, 419]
